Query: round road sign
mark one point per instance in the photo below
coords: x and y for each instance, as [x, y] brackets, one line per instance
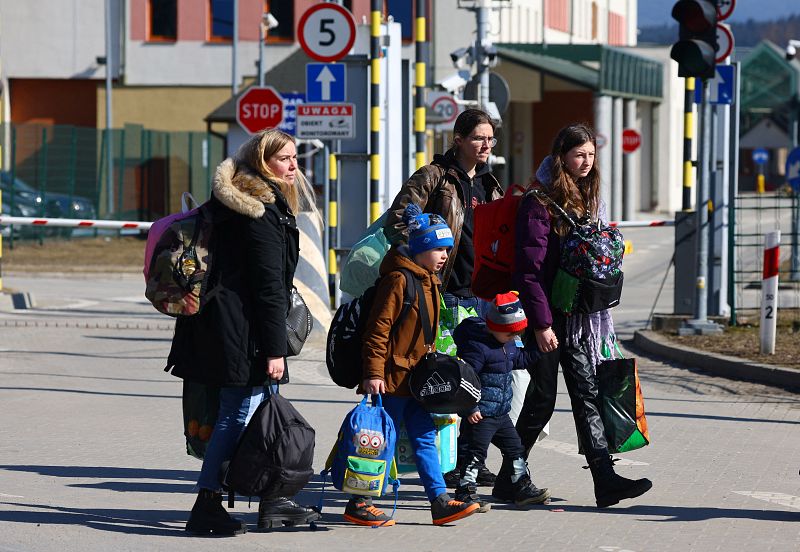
[760, 156]
[326, 31]
[631, 140]
[259, 108]
[725, 9]
[724, 42]
[443, 108]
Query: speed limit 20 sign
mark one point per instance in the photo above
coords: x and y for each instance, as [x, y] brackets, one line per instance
[326, 32]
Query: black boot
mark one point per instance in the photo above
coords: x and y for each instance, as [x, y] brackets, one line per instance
[503, 488]
[469, 493]
[610, 488]
[275, 512]
[210, 517]
[527, 493]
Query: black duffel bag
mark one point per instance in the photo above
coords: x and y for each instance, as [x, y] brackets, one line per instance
[442, 383]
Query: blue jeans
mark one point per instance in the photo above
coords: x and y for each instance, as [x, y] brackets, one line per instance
[453, 302]
[236, 407]
[422, 434]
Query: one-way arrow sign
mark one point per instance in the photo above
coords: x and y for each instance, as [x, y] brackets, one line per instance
[325, 82]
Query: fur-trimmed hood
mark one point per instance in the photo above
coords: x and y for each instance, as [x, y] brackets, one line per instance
[241, 189]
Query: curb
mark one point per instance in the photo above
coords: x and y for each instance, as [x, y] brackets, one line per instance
[17, 323]
[719, 365]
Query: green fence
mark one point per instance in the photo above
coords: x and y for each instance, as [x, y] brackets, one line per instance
[60, 171]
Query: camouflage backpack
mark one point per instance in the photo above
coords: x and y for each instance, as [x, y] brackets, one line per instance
[178, 260]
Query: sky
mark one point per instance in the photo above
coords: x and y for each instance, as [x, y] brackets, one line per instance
[657, 12]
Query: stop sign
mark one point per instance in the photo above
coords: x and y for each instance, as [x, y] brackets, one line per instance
[631, 140]
[259, 108]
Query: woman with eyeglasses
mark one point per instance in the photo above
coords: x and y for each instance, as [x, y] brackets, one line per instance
[452, 186]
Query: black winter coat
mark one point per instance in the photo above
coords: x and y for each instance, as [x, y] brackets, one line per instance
[255, 248]
[493, 362]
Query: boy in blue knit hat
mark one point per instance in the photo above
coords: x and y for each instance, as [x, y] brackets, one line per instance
[391, 351]
[491, 347]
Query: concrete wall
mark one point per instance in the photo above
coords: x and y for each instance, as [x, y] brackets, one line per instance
[668, 160]
[175, 108]
[55, 38]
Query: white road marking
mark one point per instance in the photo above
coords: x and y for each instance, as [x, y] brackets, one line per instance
[4, 495]
[614, 549]
[572, 450]
[140, 299]
[77, 305]
[775, 498]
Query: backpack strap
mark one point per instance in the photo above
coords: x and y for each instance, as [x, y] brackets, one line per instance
[537, 192]
[409, 297]
[425, 319]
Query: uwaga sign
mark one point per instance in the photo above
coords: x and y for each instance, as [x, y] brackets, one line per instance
[326, 121]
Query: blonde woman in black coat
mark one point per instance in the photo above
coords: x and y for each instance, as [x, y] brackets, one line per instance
[238, 340]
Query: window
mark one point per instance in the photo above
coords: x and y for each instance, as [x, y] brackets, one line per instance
[616, 29]
[403, 13]
[162, 20]
[221, 16]
[283, 11]
[556, 13]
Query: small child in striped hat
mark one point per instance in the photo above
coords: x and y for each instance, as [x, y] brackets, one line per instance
[493, 348]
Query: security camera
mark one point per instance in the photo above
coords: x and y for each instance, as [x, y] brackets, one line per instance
[269, 21]
[791, 49]
[461, 57]
[453, 84]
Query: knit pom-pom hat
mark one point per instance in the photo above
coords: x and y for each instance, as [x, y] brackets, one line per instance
[506, 314]
[426, 231]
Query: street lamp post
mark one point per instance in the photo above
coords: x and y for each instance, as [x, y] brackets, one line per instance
[267, 23]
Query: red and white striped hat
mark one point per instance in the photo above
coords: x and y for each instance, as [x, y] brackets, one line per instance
[506, 314]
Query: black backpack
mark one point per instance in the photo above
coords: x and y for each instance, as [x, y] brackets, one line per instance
[275, 453]
[343, 354]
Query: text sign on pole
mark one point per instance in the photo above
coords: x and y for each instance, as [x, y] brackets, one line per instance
[326, 31]
[325, 82]
[326, 121]
[793, 169]
[720, 87]
[258, 108]
[290, 102]
[760, 156]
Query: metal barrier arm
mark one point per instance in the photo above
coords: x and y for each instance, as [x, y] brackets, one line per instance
[74, 223]
[122, 224]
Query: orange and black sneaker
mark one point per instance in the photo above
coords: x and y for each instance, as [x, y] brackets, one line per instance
[445, 510]
[359, 510]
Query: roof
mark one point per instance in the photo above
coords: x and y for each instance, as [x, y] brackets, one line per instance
[286, 76]
[607, 70]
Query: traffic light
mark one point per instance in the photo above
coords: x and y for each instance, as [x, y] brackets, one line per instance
[696, 49]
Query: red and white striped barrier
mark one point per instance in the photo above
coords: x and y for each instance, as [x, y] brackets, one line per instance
[139, 225]
[641, 223]
[75, 223]
[769, 292]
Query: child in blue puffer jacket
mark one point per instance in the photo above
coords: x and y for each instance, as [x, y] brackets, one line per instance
[493, 349]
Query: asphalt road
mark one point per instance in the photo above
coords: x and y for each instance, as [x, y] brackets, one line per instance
[92, 457]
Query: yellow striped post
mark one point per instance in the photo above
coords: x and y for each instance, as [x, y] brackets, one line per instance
[375, 110]
[333, 225]
[688, 136]
[421, 51]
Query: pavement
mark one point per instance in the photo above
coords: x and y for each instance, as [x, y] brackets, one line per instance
[92, 454]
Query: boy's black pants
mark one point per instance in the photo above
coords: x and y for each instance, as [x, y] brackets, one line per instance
[497, 430]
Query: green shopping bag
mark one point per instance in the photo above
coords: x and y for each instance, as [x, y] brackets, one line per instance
[362, 266]
[449, 318]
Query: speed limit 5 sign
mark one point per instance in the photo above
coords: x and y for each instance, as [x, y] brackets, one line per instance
[326, 32]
